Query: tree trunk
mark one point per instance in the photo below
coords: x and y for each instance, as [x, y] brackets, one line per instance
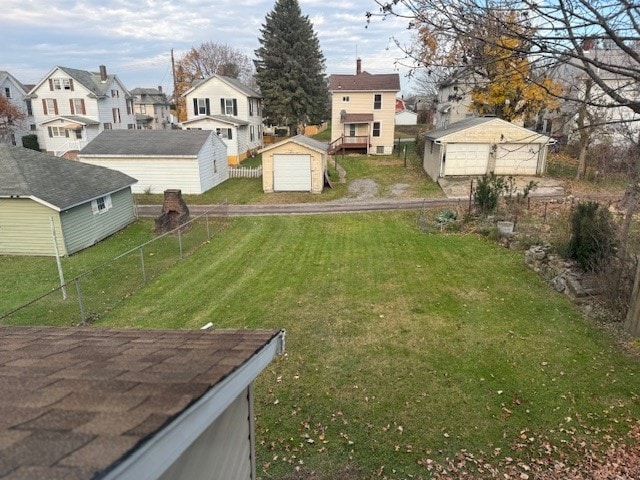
[582, 157]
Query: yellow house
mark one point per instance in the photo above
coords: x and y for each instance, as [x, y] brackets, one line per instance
[363, 109]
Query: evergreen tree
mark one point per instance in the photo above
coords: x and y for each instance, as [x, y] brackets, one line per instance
[290, 68]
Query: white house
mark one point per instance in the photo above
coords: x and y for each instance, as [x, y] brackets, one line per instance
[17, 94]
[192, 161]
[71, 107]
[230, 108]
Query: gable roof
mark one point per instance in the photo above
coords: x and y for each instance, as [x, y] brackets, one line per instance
[226, 119]
[84, 403]
[149, 96]
[232, 82]
[90, 80]
[147, 143]
[6, 75]
[500, 131]
[300, 140]
[365, 81]
[55, 182]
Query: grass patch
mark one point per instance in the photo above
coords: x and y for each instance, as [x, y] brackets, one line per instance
[400, 346]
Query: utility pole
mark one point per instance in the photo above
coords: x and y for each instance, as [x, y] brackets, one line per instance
[175, 87]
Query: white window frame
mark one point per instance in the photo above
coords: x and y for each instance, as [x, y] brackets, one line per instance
[7, 92]
[101, 205]
[58, 132]
[51, 106]
[202, 106]
[228, 106]
[77, 106]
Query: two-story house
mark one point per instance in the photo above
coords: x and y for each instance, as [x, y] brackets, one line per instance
[71, 107]
[151, 108]
[13, 129]
[453, 99]
[230, 108]
[363, 108]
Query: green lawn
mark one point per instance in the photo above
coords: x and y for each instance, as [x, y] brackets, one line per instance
[401, 346]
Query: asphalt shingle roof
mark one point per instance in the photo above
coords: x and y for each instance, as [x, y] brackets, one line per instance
[365, 81]
[457, 127]
[76, 401]
[56, 181]
[90, 80]
[147, 142]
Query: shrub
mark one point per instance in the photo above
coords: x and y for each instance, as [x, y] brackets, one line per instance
[488, 191]
[593, 236]
[31, 141]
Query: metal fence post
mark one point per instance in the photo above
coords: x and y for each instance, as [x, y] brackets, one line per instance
[180, 240]
[80, 302]
[207, 220]
[144, 272]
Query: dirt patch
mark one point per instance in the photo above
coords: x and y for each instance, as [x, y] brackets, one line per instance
[365, 188]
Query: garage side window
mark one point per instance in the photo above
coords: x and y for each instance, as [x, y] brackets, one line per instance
[101, 204]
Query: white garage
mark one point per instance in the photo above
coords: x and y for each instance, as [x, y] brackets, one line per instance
[480, 145]
[297, 164]
[291, 172]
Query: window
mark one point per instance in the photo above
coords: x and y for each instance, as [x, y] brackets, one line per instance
[50, 106]
[57, 84]
[130, 126]
[116, 115]
[376, 129]
[345, 99]
[352, 129]
[229, 106]
[77, 106]
[57, 132]
[225, 133]
[108, 126]
[60, 84]
[143, 109]
[29, 108]
[101, 204]
[201, 106]
[252, 133]
[380, 149]
[32, 127]
[250, 107]
[377, 101]
[79, 134]
[115, 93]
[215, 166]
[7, 92]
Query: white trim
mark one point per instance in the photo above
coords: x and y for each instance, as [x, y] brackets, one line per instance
[155, 456]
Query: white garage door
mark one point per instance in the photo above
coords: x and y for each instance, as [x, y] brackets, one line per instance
[466, 159]
[517, 159]
[292, 173]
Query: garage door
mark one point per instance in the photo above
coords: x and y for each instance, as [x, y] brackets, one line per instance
[292, 173]
[466, 159]
[517, 159]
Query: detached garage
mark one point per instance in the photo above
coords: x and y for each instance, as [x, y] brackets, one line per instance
[480, 145]
[297, 164]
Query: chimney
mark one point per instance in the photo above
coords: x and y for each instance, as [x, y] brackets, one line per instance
[103, 73]
[160, 88]
[588, 44]
[358, 66]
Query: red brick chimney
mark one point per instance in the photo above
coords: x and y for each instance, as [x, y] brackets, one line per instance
[103, 73]
[358, 66]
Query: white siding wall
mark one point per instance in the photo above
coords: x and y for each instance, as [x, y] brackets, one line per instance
[432, 158]
[155, 174]
[17, 98]
[212, 161]
[223, 451]
[209, 124]
[106, 106]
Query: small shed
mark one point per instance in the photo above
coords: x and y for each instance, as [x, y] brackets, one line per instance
[297, 164]
[49, 203]
[480, 145]
[89, 403]
[193, 161]
[406, 117]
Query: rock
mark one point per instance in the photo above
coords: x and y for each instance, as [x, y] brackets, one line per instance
[559, 283]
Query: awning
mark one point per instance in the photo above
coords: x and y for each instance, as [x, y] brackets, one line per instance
[73, 126]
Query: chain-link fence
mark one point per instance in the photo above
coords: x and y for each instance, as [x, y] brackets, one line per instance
[90, 295]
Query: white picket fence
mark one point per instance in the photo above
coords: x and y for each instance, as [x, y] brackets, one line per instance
[245, 172]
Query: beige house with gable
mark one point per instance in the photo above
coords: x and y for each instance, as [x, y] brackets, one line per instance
[363, 110]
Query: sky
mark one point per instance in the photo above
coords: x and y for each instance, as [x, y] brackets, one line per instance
[134, 38]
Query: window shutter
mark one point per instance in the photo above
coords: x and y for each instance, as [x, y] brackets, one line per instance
[51, 84]
[55, 106]
[71, 84]
[235, 107]
[107, 202]
[84, 112]
[229, 134]
[50, 132]
[66, 133]
[208, 107]
[44, 106]
[113, 112]
[71, 105]
[222, 106]
[94, 206]
[195, 106]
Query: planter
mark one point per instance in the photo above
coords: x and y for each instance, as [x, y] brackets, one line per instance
[505, 228]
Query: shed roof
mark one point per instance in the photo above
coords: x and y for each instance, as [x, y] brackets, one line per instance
[58, 182]
[365, 81]
[77, 402]
[154, 143]
[300, 140]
